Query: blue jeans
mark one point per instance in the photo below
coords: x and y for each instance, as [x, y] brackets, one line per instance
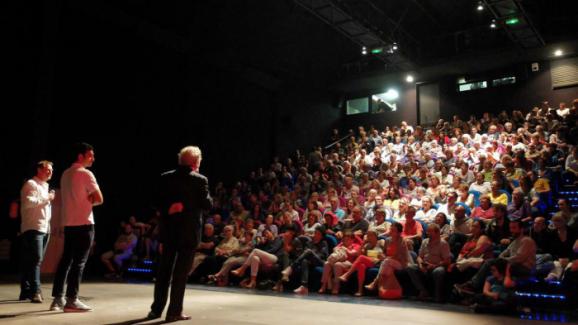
[33, 247]
[77, 243]
[418, 279]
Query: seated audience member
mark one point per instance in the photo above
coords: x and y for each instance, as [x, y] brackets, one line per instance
[461, 224]
[571, 165]
[357, 224]
[218, 224]
[123, 248]
[288, 223]
[540, 234]
[476, 249]
[266, 253]
[460, 229]
[480, 185]
[315, 254]
[334, 201]
[225, 249]
[497, 296]
[292, 248]
[498, 229]
[312, 223]
[442, 221]
[340, 260]
[331, 224]
[465, 197]
[379, 224]
[484, 210]
[395, 258]
[151, 237]
[520, 255]
[238, 257]
[138, 228]
[427, 212]
[370, 204]
[432, 260]
[412, 230]
[268, 225]
[399, 214]
[371, 255]
[566, 212]
[248, 227]
[561, 243]
[449, 208]
[496, 196]
[519, 208]
[206, 247]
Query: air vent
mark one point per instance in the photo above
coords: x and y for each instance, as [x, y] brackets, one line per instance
[564, 73]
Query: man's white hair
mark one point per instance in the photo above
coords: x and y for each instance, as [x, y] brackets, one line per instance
[190, 156]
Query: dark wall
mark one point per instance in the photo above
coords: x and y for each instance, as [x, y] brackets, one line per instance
[138, 102]
[304, 120]
[530, 89]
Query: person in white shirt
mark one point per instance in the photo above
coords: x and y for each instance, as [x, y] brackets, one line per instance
[481, 185]
[36, 213]
[562, 111]
[79, 192]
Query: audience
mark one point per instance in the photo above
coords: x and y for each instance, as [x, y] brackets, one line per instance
[478, 188]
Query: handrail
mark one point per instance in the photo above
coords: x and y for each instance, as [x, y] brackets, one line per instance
[336, 142]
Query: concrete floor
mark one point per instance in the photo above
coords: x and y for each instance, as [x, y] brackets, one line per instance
[122, 303]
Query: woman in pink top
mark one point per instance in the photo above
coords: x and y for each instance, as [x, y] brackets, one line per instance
[339, 262]
[371, 255]
[484, 211]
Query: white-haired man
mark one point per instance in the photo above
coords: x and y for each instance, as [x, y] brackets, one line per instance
[183, 195]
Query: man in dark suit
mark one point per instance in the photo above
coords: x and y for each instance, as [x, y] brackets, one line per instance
[183, 195]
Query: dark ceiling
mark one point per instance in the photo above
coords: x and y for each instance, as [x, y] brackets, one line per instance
[286, 42]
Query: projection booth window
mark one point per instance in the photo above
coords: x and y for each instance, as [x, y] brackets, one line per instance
[357, 106]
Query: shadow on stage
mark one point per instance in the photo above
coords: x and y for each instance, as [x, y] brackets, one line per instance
[143, 320]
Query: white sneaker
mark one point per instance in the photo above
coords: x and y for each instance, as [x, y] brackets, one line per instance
[76, 306]
[57, 304]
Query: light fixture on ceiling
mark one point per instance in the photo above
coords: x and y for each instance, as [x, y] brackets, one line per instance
[493, 24]
[409, 78]
[558, 52]
[480, 6]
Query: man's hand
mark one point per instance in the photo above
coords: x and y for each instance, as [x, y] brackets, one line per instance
[51, 195]
[176, 207]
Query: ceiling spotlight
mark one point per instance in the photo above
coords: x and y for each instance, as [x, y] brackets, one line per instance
[480, 6]
[558, 52]
[409, 78]
[364, 50]
[395, 47]
[493, 24]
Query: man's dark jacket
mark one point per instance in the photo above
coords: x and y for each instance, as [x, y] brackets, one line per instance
[192, 190]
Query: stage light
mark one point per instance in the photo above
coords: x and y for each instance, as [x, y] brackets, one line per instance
[409, 78]
[493, 24]
[480, 6]
[391, 94]
[364, 50]
[377, 50]
[558, 52]
[512, 21]
[395, 47]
